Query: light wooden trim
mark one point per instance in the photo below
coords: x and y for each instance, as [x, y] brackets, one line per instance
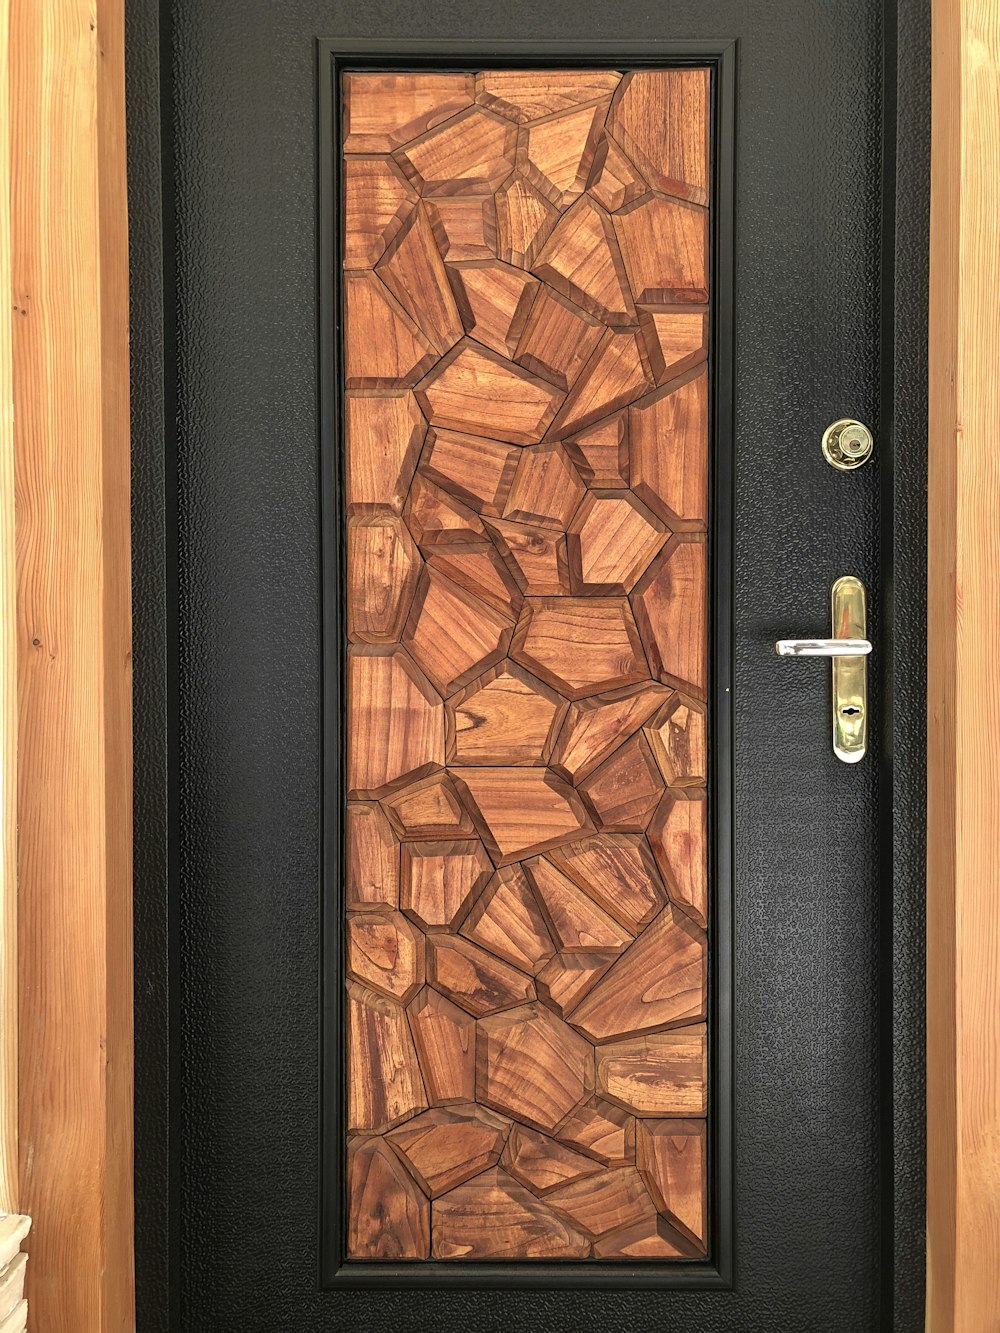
[963, 943]
[71, 394]
[8, 682]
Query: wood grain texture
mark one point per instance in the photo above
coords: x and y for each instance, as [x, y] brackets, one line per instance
[71, 388]
[963, 882]
[527, 463]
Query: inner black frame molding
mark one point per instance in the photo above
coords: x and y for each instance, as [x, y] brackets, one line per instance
[334, 57]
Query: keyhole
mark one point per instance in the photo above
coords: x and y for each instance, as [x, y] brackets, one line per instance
[850, 710]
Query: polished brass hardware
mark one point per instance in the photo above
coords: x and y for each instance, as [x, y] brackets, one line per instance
[848, 650]
[847, 444]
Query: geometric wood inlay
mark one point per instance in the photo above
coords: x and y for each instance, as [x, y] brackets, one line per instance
[526, 464]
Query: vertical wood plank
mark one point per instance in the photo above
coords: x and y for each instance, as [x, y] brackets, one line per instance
[73, 624]
[8, 682]
[963, 963]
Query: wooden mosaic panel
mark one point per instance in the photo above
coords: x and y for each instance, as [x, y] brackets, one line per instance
[526, 476]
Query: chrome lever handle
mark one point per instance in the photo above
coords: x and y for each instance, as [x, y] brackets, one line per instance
[848, 652]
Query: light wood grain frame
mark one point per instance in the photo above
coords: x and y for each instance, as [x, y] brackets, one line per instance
[963, 942]
[70, 394]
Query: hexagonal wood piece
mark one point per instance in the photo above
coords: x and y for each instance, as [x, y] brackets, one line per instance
[541, 1164]
[475, 390]
[474, 979]
[427, 810]
[377, 199]
[384, 951]
[494, 300]
[395, 722]
[605, 1202]
[581, 260]
[678, 835]
[452, 635]
[595, 727]
[671, 609]
[478, 471]
[384, 1086]
[506, 716]
[580, 645]
[372, 858]
[532, 1067]
[524, 220]
[388, 1215]
[535, 557]
[576, 923]
[664, 245]
[661, 119]
[384, 348]
[672, 1158]
[439, 880]
[546, 489]
[611, 540]
[384, 434]
[622, 793]
[520, 811]
[383, 111]
[601, 1131]
[524, 94]
[507, 921]
[493, 1217]
[470, 154]
[383, 567]
[618, 871]
[665, 1074]
[446, 1146]
[668, 453]
[678, 737]
[660, 981]
[445, 1040]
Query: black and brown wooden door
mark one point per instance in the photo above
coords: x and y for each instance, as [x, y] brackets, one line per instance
[527, 903]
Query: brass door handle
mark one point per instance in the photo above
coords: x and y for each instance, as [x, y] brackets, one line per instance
[847, 651]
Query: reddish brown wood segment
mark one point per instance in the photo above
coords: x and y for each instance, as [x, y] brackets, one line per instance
[527, 464]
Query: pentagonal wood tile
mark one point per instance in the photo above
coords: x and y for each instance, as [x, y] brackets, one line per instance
[531, 1066]
[595, 727]
[617, 870]
[678, 737]
[493, 1217]
[477, 391]
[671, 609]
[557, 339]
[576, 923]
[384, 349]
[372, 858]
[611, 540]
[414, 272]
[660, 981]
[556, 152]
[507, 921]
[448, 1145]
[579, 645]
[436, 518]
[525, 219]
[439, 880]
[464, 226]
[676, 339]
[476, 470]
[520, 811]
[669, 453]
[445, 1040]
[377, 199]
[661, 119]
[388, 1214]
[678, 835]
[473, 153]
[601, 1131]
[451, 635]
[383, 567]
[566, 978]
[384, 434]
[664, 245]
[386, 952]
[617, 372]
[383, 111]
[395, 722]
[541, 1164]
[384, 1087]
[614, 180]
[605, 1202]
[525, 94]
[665, 1074]
[474, 979]
[672, 1158]
[506, 716]
[546, 489]
[480, 571]
[536, 557]
[622, 794]
[582, 260]
[494, 300]
[428, 809]
[600, 453]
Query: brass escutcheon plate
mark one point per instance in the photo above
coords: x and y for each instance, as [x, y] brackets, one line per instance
[847, 444]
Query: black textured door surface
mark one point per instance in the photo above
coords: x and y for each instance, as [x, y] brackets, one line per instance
[822, 1074]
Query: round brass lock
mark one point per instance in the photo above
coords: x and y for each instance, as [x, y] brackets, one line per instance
[847, 444]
